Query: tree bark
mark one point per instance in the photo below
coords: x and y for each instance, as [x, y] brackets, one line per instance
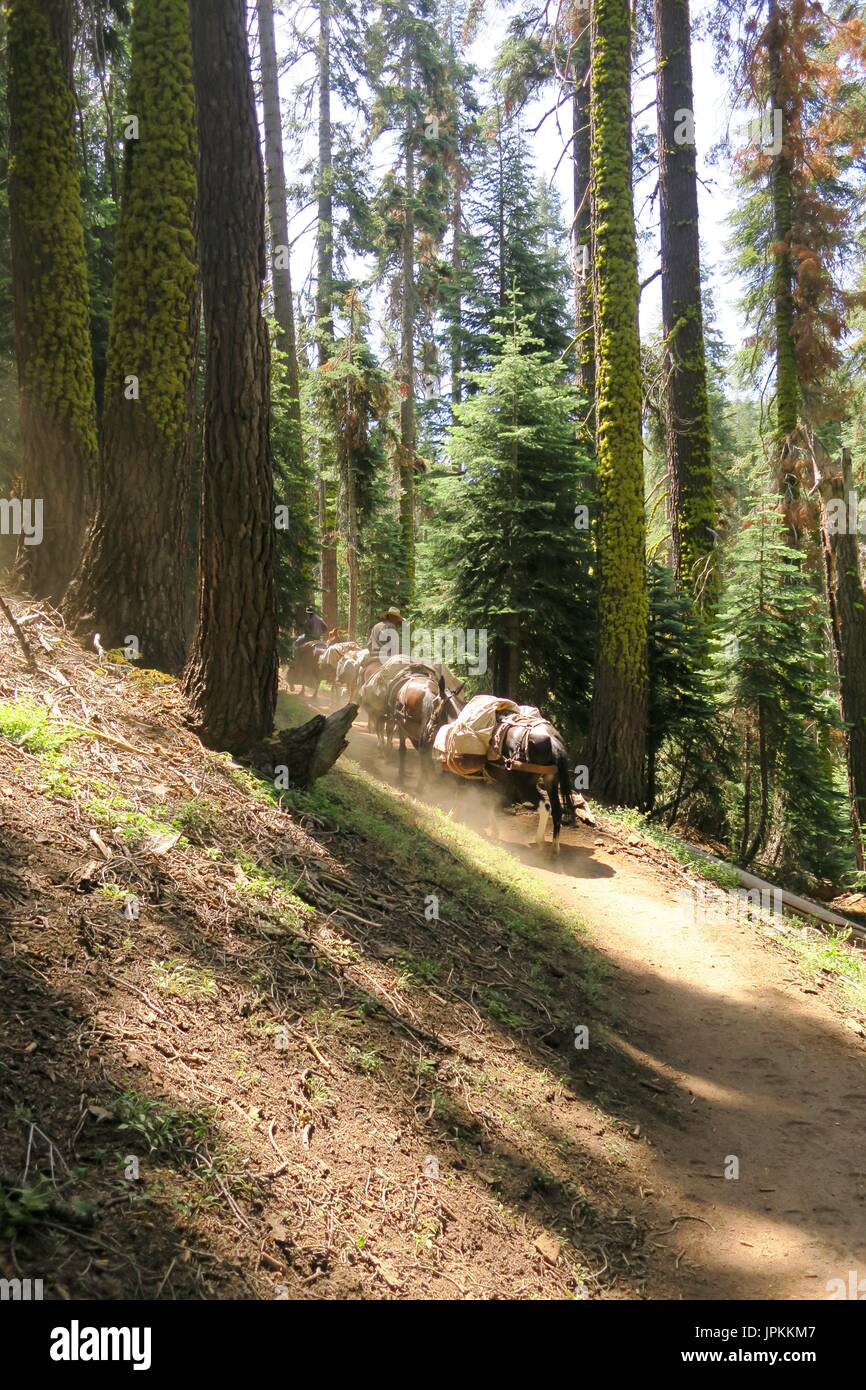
[617, 734]
[231, 679]
[51, 295]
[583, 311]
[132, 574]
[324, 301]
[685, 403]
[307, 752]
[787, 377]
[847, 602]
[278, 221]
[407, 359]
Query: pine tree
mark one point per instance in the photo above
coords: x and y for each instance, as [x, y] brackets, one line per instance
[408, 71]
[516, 242]
[55, 367]
[131, 579]
[685, 402]
[616, 743]
[231, 677]
[356, 400]
[514, 561]
[293, 483]
[775, 687]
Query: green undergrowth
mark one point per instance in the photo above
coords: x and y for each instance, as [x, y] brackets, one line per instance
[430, 853]
[720, 874]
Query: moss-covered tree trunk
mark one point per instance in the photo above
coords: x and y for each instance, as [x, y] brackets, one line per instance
[407, 358]
[49, 270]
[847, 602]
[231, 678]
[278, 221]
[131, 578]
[325, 304]
[617, 734]
[685, 403]
[787, 383]
[583, 311]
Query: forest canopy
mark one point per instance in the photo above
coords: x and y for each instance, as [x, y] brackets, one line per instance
[352, 306]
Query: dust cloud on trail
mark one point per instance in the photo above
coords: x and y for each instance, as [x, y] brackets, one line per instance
[472, 804]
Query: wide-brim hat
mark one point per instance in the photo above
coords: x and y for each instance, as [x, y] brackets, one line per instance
[395, 613]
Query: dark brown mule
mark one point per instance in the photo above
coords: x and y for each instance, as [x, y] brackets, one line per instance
[303, 669]
[422, 704]
[530, 763]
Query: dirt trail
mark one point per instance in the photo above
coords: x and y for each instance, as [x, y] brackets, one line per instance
[751, 1063]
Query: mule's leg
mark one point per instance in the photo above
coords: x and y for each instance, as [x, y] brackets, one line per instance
[401, 752]
[556, 812]
[543, 817]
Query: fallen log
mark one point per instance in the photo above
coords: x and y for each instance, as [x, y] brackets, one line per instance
[305, 753]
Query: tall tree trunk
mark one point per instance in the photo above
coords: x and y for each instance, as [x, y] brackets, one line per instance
[49, 274]
[685, 402]
[231, 679]
[131, 578]
[617, 735]
[582, 233]
[278, 221]
[847, 601]
[407, 361]
[787, 383]
[457, 276]
[324, 302]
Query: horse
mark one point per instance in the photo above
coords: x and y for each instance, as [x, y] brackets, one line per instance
[350, 673]
[418, 708]
[527, 761]
[330, 660]
[303, 669]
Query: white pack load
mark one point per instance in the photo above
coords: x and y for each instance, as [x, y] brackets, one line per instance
[468, 737]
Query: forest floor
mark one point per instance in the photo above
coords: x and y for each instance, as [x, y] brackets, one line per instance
[325, 1048]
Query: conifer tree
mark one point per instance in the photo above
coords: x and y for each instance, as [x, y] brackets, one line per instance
[49, 272]
[231, 677]
[685, 402]
[774, 685]
[512, 547]
[408, 70]
[516, 242]
[617, 735]
[132, 573]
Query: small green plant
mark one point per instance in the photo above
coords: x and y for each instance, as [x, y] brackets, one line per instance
[170, 1131]
[30, 726]
[197, 817]
[498, 1008]
[179, 978]
[367, 1060]
[21, 1207]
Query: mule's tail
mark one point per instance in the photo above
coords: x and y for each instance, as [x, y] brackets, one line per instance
[563, 769]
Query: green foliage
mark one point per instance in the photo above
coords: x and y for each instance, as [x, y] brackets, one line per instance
[683, 744]
[619, 452]
[516, 241]
[44, 188]
[775, 689]
[295, 551]
[155, 266]
[506, 556]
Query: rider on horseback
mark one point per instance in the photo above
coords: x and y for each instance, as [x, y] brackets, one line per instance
[315, 628]
[384, 639]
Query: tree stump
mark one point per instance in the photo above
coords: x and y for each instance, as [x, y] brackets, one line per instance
[307, 752]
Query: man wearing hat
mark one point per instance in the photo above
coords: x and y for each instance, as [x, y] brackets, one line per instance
[315, 628]
[384, 639]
